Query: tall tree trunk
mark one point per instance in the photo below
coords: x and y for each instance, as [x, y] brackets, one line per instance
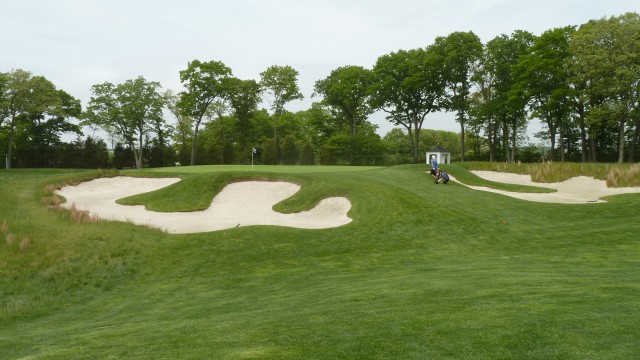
[416, 143]
[137, 156]
[476, 144]
[138, 153]
[195, 140]
[561, 139]
[552, 135]
[491, 140]
[583, 132]
[461, 121]
[12, 132]
[222, 140]
[583, 141]
[276, 149]
[409, 128]
[514, 132]
[621, 140]
[634, 141]
[9, 150]
[505, 140]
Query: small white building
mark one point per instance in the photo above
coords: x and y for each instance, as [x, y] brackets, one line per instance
[443, 156]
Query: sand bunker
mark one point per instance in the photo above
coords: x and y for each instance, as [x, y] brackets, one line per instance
[577, 190]
[238, 204]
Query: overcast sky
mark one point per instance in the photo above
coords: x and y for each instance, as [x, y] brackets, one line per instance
[80, 43]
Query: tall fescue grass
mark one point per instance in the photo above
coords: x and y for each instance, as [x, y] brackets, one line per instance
[82, 216]
[621, 176]
[616, 175]
[51, 199]
[24, 244]
[10, 238]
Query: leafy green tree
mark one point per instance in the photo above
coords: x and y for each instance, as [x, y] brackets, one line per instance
[497, 108]
[346, 90]
[289, 151]
[542, 78]
[338, 148]
[606, 54]
[307, 154]
[461, 51]
[205, 84]
[280, 84]
[122, 156]
[15, 101]
[484, 101]
[159, 152]
[244, 96]
[409, 85]
[582, 99]
[218, 138]
[93, 153]
[370, 147]
[48, 118]
[292, 124]
[398, 146]
[262, 125]
[4, 81]
[480, 114]
[268, 154]
[182, 129]
[35, 115]
[319, 124]
[131, 110]
[4, 84]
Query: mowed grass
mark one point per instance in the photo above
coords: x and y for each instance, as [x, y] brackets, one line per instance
[423, 271]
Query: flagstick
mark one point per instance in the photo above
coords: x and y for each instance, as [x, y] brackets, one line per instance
[253, 151]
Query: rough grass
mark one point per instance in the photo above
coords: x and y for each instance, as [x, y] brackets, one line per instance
[423, 271]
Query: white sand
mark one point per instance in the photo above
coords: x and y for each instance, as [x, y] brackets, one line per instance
[238, 204]
[577, 190]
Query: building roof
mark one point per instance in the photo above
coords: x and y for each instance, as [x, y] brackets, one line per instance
[439, 149]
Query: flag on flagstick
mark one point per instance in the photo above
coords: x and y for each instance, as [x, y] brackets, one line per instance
[253, 151]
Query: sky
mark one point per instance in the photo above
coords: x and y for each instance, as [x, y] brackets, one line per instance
[79, 43]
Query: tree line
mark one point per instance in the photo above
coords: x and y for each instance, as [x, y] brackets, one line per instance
[582, 83]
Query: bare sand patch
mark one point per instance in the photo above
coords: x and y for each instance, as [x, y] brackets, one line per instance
[577, 190]
[238, 204]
